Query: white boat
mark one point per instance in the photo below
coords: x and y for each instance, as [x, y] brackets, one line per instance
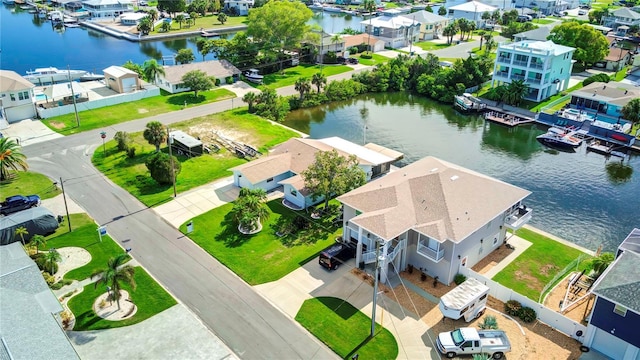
[51, 75]
[56, 16]
[253, 76]
[315, 6]
[91, 77]
[332, 9]
[560, 138]
[349, 12]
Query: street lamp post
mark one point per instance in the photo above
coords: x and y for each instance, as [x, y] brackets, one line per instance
[103, 135]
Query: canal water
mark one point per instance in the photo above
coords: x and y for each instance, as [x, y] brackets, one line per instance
[573, 194]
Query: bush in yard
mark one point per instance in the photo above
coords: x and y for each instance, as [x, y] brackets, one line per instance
[159, 165]
[229, 80]
[489, 323]
[353, 50]
[512, 307]
[43, 265]
[459, 279]
[527, 314]
[596, 78]
[217, 82]
[48, 278]
[123, 139]
[366, 55]
[131, 152]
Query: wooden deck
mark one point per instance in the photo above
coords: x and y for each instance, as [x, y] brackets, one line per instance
[507, 119]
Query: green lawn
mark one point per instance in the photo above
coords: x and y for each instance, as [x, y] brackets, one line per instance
[345, 329]
[133, 175]
[431, 45]
[262, 257]
[28, 183]
[84, 235]
[290, 75]
[111, 115]
[536, 266]
[534, 106]
[375, 59]
[149, 297]
[543, 21]
[208, 22]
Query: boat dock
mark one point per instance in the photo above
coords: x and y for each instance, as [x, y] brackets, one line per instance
[507, 119]
[606, 148]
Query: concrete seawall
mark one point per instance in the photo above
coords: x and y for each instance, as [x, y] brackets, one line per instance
[171, 35]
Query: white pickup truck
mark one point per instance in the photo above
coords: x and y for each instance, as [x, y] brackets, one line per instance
[471, 341]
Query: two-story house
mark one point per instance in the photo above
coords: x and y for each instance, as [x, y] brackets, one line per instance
[395, 31]
[286, 162]
[545, 7]
[471, 10]
[431, 214]
[614, 319]
[241, 6]
[621, 20]
[543, 65]
[431, 25]
[17, 101]
[100, 10]
[171, 80]
[327, 43]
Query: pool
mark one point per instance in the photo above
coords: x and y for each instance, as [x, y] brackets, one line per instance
[41, 97]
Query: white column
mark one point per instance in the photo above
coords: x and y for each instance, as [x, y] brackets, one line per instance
[384, 267]
[359, 247]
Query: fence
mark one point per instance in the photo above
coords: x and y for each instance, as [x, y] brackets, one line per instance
[98, 103]
[548, 108]
[552, 318]
[573, 264]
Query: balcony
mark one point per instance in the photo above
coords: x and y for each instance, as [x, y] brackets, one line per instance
[518, 218]
[430, 253]
[505, 60]
[536, 66]
[504, 74]
[517, 77]
[534, 81]
[521, 63]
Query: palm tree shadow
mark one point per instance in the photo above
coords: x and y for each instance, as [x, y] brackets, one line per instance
[230, 235]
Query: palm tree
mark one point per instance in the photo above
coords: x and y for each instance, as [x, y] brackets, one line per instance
[450, 31]
[516, 91]
[166, 26]
[151, 69]
[303, 86]
[155, 134]
[631, 111]
[37, 241]
[180, 19]
[601, 263]
[145, 25]
[336, 38]
[250, 98]
[369, 7]
[22, 231]
[490, 44]
[250, 209]
[115, 274]
[153, 15]
[319, 80]
[51, 257]
[482, 33]
[11, 158]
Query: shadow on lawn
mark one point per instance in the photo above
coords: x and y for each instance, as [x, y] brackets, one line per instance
[230, 235]
[186, 98]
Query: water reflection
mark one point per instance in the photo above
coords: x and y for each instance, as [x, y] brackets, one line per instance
[618, 172]
[519, 141]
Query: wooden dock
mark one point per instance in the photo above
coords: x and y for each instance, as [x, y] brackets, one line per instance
[507, 119]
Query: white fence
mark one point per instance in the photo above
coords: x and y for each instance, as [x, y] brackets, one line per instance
[99, 103]
[552, 318]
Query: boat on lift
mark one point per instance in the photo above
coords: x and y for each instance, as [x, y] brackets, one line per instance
[51, 75]
[560, 138]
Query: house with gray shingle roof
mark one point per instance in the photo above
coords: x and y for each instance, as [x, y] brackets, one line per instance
[17, 100]
[433, 215]
[431, 25]
[613, 323]
[538, 34]
[171, 80]
[621, 20]
[29, 311]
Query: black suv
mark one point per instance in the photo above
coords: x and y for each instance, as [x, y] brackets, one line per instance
[332, 257]
[16, 203]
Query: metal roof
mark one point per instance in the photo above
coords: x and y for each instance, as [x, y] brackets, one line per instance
[464, 294]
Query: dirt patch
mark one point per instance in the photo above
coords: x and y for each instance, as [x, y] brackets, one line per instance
[491, 260]
[578, 311]
[142, 111]
[532, 282]
[212, 134]
[57, 125]
[546, 269]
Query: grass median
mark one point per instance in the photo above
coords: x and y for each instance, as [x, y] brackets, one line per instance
[289, 76]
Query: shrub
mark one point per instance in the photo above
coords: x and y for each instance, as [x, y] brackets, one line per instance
[366, 55]
[131, 152]
[596, 78]
[123, 139]
[330, 58]
[527, 314]
[159, 165]
[229, 79]
[459, 279]
[512, 308]
[48, 278]
[489, 323]
[354, 50]
[218, 82]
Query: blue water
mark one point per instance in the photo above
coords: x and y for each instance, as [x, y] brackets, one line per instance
[573, 194]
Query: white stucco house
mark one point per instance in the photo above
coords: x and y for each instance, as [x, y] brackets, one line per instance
[17, 101]
[241, 6]
[471, 10]
[431, 25]
[171, 80]
[395, 31]
[433, 215]
[285, 163]
[100, 10]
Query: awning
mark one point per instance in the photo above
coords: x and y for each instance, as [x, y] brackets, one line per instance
[62, 90]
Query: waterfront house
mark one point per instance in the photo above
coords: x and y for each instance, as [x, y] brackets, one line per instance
[621, 20]
[17, 101]
[132, 19]
[537, 34]
[546, 7]
[285, 163]
[395, 31]
[431, 24]
[471, 10]
[220, 70]
[545, 66]
[31, 325]
[431, 214]
[604, 100]
[120, 79]
[613, 323]
[101, 10]
[374, 43]
[241, 6]
[327, 43]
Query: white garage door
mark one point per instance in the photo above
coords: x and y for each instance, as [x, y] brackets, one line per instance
[21, 112]
[609, 344]
[128, 84]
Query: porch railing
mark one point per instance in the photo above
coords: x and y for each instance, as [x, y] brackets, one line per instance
[518, 217]
[369, 257]
[430, 253]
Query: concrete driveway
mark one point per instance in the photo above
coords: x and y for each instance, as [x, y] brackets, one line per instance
[29, 131]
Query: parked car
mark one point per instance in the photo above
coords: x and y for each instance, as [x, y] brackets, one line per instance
[142, 3]
[471, 341]
[335, 255]
[352, 60]
[582, 12]
[341, 60]
[16, 203]
[524, 18]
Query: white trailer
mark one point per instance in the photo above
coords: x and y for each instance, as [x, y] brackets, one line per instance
[468, 299]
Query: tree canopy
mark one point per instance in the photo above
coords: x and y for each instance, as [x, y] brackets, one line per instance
[332, 174]
[159, 166]
[115, 274]
[171, 6]
[197, 80]
[185, 56]
[155, 134]
[591, 46]
[631, 111]
[11, 158]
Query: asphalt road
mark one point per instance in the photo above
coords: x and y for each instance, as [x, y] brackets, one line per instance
[246, 322]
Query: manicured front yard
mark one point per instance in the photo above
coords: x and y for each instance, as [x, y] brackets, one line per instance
[431, 45]
[536, 266]
[290, 75]
[262, 257]
[209, 22]
[543, 21]
[84, 235]
[375, 59]
[28, 183]
[149, 297]
[345, 329]
[133, 175]
[110, 115]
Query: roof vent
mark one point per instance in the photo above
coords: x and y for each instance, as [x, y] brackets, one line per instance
[454, 177]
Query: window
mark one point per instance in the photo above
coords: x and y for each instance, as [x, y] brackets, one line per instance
[620, 310]
[483, 297]
[495, 240]
[269, 179]
[293, 192]
[20, 96]
[13, 97]
[464, 310]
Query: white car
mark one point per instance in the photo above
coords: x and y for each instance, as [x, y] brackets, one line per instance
[582, 12]
[142, 3]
